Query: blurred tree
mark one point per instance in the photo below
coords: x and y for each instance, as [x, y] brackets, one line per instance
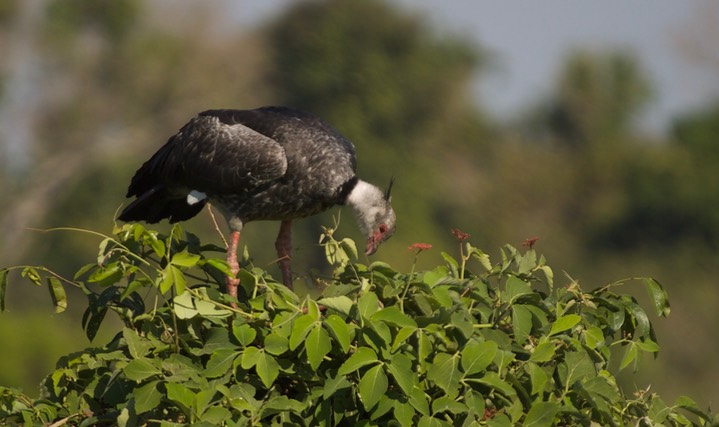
[669, 191]
[699, 133]
[597, 98]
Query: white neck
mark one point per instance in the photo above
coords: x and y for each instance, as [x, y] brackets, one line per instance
[361, 194]
[365, 199]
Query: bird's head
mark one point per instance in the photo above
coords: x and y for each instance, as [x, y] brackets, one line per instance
[374, 213]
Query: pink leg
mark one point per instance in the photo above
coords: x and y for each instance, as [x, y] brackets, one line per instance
[233, 282]
[283, 244]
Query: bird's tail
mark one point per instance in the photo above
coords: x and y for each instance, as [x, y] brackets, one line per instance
[157, 204]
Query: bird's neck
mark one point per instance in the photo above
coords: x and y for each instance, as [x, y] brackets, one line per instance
[363, 199]
[362, 193]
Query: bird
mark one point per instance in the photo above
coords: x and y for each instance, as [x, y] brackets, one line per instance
[270, 163]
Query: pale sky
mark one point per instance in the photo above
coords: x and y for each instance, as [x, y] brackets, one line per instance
[530, 38]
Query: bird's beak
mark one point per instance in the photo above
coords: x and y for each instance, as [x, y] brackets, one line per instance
[372, 245]
[373, 242]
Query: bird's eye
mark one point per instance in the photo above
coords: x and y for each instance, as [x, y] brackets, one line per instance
[383, 228]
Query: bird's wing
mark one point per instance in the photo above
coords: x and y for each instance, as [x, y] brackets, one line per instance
[216, 155]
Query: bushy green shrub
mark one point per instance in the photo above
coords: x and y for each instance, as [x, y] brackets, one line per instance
[500, 345]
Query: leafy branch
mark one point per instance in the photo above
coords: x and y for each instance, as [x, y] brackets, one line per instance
[500, 346]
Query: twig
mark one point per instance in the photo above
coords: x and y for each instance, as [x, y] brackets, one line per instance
[217, 227]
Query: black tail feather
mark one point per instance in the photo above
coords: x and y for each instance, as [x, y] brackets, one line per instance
[157, 204]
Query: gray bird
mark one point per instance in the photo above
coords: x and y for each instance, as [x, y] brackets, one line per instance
[271, 163]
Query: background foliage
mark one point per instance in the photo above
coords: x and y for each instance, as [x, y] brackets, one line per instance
[117, 79]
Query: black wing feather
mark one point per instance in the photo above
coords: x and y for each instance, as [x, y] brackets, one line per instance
[211, 154]
[214, 157]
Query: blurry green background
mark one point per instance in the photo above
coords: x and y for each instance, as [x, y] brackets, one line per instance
[583, 148]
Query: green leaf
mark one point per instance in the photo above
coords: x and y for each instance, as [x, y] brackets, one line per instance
[418, 400]
[537, 376]
[658, 295]
[249, 357]
[215, 339]
[373, 386]
[403, 413]
[565, 322]
[137, 345]
[368, 304]
[180, 394]
[350, 246]
[219, 265]
[453, 264]
[203, 400]
[383, 335]
[93, 317]
[400, 367]
[475, 403]
[402, 336]
[215, 415]
[460, 321]
[107, 275]
[594, 337]
[630, 355]
[642, 325]
[267, 369]
[433, 277]
[690, 405]
[548, 274]
[601, 386]
[244, 332]
[444, 371]
[317, 345]
[220, 362]
[185, 259]
[481, 257]
[527, 262]
[32, 275]
[206, 307]
[515, 288]
[333, 384]
[503, 359]
[577, 366]
[361, 357]
[340, 330]
[141, 369]
[340, 303]
[445, 404]
[521, 323]
[184, 306]
[648, 346]
[173, 276]
[300, 328]
[147, 397]
[493, 380]
[276, 344]
[157, 246]
[442, 296]
[477, 356]
[394, 316]
[543, 352]
[57, 293]
[541, 414]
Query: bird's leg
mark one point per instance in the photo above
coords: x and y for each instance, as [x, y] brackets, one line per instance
[233, 282]
[283, 244]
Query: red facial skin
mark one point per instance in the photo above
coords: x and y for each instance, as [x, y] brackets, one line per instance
[378, 236]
